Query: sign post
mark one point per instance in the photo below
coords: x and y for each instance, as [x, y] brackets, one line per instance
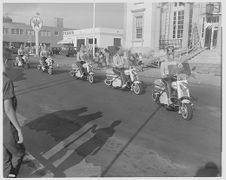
[94, 18]
[36, 24]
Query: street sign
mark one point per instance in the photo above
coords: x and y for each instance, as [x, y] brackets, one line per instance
[36, 23]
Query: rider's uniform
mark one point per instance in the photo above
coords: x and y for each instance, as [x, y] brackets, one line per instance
[118, 67]
[167, 69]
[43, 55]
[20, 53]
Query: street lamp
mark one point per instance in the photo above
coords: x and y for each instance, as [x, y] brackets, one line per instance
[36, 24]
[94, 14]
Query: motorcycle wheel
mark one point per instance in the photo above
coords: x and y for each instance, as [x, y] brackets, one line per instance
[91, 79]
[107, 82]
[138, 89]
[50, 71]
[187, 111]
[72, 74]
[155, 96]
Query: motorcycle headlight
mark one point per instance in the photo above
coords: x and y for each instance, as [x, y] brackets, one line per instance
[184, 86]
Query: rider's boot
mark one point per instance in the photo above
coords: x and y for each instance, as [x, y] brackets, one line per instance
[124, 85]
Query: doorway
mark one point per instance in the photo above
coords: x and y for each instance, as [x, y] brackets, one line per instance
[215, 38]
[79, 43]
[208, 37]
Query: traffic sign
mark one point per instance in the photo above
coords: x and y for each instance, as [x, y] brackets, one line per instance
[36, 23]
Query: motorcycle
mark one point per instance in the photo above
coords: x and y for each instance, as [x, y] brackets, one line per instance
[47, 66]
[87, 75]
[181, 99]
[133, 83]
[22, 62]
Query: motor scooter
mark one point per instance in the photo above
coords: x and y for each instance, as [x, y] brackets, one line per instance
[22, 61]
[180, 93]
[133, 82]
[46, 66]
[88, 74]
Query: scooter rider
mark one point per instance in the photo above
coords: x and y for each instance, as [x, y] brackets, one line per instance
[166, 68]
[20, 52]
[80, 60]
[118, 66]
[43, 55]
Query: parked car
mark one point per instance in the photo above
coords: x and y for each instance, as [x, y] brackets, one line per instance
[68, 51]
[56, 50]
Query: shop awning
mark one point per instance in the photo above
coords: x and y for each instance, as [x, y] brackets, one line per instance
[65, 41]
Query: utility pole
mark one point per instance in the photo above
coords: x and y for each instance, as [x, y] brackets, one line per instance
[94, 14]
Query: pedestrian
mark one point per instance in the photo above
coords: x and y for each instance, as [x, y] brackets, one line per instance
[13, 148]
[107, 57]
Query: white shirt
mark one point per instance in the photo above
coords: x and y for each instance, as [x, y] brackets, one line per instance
[118, 61]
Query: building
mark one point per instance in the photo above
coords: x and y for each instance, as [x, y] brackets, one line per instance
[21, 33]
[181, 24]
[104, 37]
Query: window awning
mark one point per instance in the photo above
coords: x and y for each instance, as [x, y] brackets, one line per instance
[65, 41]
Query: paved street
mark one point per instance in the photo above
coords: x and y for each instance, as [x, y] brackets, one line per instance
[73, 128]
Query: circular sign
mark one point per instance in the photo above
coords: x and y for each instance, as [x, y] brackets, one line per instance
[36, 23]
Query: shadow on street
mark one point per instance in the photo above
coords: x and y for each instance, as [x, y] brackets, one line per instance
[40, 133]
[209, 170]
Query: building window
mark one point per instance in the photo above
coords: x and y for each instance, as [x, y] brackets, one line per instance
[30, 32]
[203, 23]
[174, 24]
[212, 19]
[21, 31]
[117, 42]
[56, 33]
[91, 41]
[5, 31]
[178, 24]
[17, 31]
[48, 33]
[181, 4]
[139, 27]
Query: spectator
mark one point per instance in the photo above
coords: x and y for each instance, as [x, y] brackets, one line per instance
[13, 148]
[107, 57]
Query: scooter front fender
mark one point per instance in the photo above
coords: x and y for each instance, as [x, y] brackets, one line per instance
[185, 101]
[91, 73]
[137, 82]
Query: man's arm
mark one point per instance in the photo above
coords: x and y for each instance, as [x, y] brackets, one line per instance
[10, 112]
[162, 70]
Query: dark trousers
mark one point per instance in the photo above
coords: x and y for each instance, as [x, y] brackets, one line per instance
[120, 71]
[81, 68]
[43, 60]
[168, 81]
[13, 152]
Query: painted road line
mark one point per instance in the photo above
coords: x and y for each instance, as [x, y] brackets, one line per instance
[72, 147]
[65, 142]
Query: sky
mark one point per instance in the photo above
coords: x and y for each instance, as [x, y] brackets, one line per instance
[75, 15]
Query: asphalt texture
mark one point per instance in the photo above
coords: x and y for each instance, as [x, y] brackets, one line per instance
[73, 129]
